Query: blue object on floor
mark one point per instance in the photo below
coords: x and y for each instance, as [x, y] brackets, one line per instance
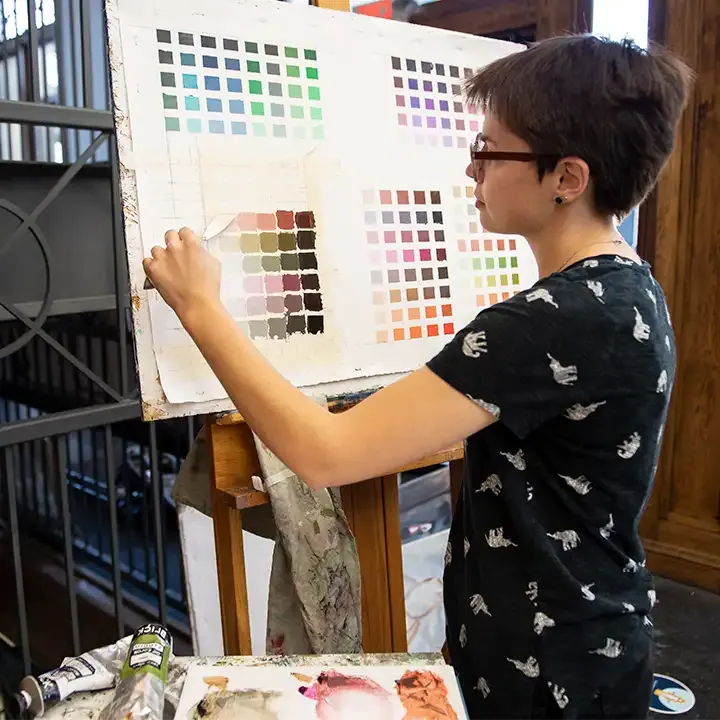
[670, 696]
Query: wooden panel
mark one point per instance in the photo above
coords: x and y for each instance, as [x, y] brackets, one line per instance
[681, 526]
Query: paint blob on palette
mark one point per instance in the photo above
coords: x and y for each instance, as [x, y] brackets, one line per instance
[489, 262]
[277, 254]
[428, 101]
[390, 692]
[227, 86]
[405, 236]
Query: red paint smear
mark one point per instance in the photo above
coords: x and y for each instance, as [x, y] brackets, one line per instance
[330, 687]
[305, 220]
[266, 221]
[285, 219]
[424, 696]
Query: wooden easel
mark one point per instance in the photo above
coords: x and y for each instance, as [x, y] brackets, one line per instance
[371, 507]
[373, 513]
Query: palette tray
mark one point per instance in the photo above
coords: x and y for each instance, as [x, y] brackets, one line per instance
[386, 692]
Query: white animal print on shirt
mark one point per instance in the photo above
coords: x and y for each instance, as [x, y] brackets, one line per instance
[493, 409]
[647, 621]
[492, 483]
[560, 695]
[667, 342]
[588, 594]
[628, 607]
[652, 297]
[662, 383]
[590, 264]
[580, 412]
[581, 485]
[474, 344]
[597, 289]
[569, 538]
[483, 687]
[448, 554]
[466, 547]
[563, 375]
[463, 636]
[630, 566]
[623, 261]
[517, 460]
[532, 592]
[641, 330]
[652, 597]
[497, 539]
[606, 529]
[629, 447]
[541, 622]
[541, 294]
[612, 649]
[478, 605]
[529, 668]
[529, 490]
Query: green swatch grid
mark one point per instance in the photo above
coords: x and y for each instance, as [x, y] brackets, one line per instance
[225, 86]
[489, 262]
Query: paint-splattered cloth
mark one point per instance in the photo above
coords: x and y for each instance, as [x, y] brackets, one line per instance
[314, 593]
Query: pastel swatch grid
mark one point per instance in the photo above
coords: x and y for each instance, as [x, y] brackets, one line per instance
[281, 293]
[490, 263]
[226, 86]
[409, 276]
[428, 101]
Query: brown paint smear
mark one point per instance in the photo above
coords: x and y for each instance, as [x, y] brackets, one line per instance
[217, 681]
[424, 696]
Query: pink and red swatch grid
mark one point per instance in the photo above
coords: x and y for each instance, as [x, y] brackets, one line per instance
[281, 284]
[428, 99]
[409, 273]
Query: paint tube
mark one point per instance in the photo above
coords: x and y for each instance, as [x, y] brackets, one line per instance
[94, 670]
[140, 692]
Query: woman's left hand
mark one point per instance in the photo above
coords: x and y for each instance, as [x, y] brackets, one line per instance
[183, 272]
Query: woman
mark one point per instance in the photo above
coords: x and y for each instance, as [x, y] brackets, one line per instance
[561, 392]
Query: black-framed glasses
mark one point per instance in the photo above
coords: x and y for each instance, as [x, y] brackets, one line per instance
[478, 156]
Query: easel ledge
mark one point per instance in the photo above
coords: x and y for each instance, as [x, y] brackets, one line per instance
[373, 512]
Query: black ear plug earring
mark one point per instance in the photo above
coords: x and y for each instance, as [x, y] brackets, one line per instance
[558, 200]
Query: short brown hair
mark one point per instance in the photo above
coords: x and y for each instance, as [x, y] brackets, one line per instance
[612, 104]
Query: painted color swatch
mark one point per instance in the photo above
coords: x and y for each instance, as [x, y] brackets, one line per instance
[281, 285]
[489, 262]
[226, 86]
[405, 235]
[428, 101]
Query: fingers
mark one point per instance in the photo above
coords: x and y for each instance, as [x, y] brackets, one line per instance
[148, 265]
[156, 251]
[187, 235]
[172, 238]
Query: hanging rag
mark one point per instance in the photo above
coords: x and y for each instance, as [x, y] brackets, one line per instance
[314, 593]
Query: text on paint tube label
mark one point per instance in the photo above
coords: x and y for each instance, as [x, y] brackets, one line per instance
[146, 654]
[71, 669]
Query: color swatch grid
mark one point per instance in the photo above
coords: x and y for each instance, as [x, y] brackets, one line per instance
[490, 262]
[405, 234]
[280, 279]
[233, 87]
[428, 99]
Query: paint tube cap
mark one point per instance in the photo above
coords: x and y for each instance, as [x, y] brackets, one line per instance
[18, 706]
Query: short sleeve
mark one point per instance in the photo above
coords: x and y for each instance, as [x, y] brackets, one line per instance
[533, 357]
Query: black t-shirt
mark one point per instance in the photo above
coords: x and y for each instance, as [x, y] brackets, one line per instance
[545, 577]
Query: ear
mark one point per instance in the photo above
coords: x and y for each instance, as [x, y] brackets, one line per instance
[571, 178]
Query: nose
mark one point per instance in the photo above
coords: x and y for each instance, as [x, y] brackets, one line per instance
[470, 171]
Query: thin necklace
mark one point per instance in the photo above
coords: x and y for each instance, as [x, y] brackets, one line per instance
[617, 241]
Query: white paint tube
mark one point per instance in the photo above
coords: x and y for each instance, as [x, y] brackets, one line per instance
[94, 670]
[140, 692]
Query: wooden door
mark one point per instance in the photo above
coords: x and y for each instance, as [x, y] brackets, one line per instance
[681, 238]
[514, 20]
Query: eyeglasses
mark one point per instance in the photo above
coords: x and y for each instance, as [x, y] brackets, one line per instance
[478, 156]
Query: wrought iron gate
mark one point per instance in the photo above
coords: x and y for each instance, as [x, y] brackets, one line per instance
[80, 475]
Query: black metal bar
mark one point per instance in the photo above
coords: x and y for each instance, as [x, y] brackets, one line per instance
[17, 111]
[96, 472]
[63, 422]
[80, 436]
[121, 275]
[85, 47]
[17, 562]
[145, 512]
[114, 531]
[68, 543]
[128, 514]
[158, 526]
[32, 60]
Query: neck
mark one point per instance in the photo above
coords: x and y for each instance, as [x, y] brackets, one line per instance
[570, 237]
